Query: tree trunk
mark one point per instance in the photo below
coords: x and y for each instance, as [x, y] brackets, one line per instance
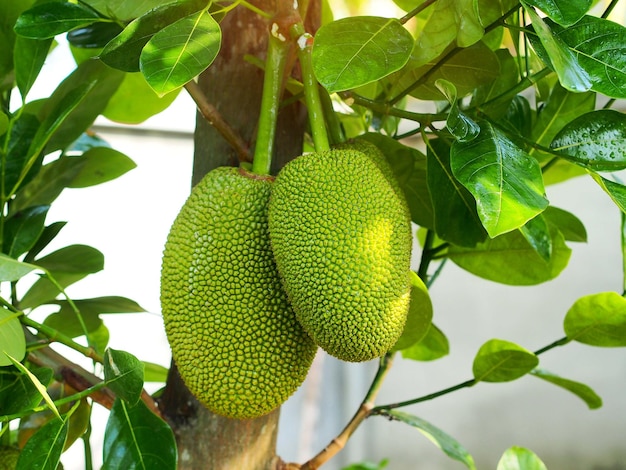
[233, 86]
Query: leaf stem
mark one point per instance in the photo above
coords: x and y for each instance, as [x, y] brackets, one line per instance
[416, 11]
[609, 9]
[362, 413]
[215, 119]
[304, 45]
[277, 50]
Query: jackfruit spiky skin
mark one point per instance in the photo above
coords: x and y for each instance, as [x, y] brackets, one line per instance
[8, 457]
[234, 337]
[342, 239]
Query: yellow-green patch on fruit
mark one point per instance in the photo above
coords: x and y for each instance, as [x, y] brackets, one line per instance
[234, 337]
[8, 457]
[341, 237]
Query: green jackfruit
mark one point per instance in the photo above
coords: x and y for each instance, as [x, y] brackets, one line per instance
[8, 457]
[341, 237]
[234, 337]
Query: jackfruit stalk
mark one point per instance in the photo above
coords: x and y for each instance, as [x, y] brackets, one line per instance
[234, 337]
[341, 237]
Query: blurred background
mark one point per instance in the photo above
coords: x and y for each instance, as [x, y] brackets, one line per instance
[128, 220]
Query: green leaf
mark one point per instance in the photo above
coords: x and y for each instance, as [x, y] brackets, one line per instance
[433, 346]
[564, 12]
[510, 259]
[12, 340]
[537, 234]
[451, 22]
[48, 234]
[154, 372]
[13, 270]
[124, 10]
[180, 52]
[505, 181]
[43, 450]
[17, 392]
[67, 266]
[456, 219]
[48, 19]
[467, 70]
[41, 388]
[102, 164]
[419, 317]
[567, 223]
[506, 80]
[459, 124]
[29, 61]
[22, 134]
[597, 320]
[367, 465]
[616, 191]
[409, 167]
[136, 438]
[23, 229]
[557, 55]
[600, 49]
[519, 458]
[502, 361]
[93, 36]
[355, 51]
[123, 51]
[450, 446]
[581, 390]
[4, 123]
[595, 140]
[123, 374]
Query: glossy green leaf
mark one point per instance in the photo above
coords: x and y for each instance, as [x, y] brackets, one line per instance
[557, 55]
[419, 317]
[48, 234]
[22, 230]
[134, 101]
[98, 82]
[29, 61]
[564, 12]
[100, 338]
[567, 223]
[456, 219]
[450, 446]
[12, 340]
[102, 164]
[41, 388]
[519, 458]
[136, 438]
[13, 270]
[616, 191]
[67, 266]
[409, 167]
[433, 346]
[123, 51]
[124, 10]
[451, 22]
[154, 372]
[510, 259]
[597, 320]
[180, 52]
[502, 361]
[487, 94]
[93, 36]
[595, 140]
[504, 180]
[17, 392]
[355, 51]
[123, 374]
[581, 390]
[43, 450]
[23, 132]
[537, 234]
[468, 70]
[48, 19]
[600, 49]
[458, 123]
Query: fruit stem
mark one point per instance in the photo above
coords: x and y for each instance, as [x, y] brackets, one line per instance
[304, 46]
[277, 50]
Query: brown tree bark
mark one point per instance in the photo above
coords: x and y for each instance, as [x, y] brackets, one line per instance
[233, 86]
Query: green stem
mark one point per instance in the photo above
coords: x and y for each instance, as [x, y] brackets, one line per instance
[386, 109]
[426, 258]
[277, 50]
[87, 444]
[333, 125]
[315, 110]
[609, 9]
[416, 11]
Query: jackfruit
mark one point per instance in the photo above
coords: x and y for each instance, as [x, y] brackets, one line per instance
[8, 457]
[234, 337]
[341, 237]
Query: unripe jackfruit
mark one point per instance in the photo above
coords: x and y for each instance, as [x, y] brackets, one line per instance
[9, 457]
[341, 237]
[234, 337]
